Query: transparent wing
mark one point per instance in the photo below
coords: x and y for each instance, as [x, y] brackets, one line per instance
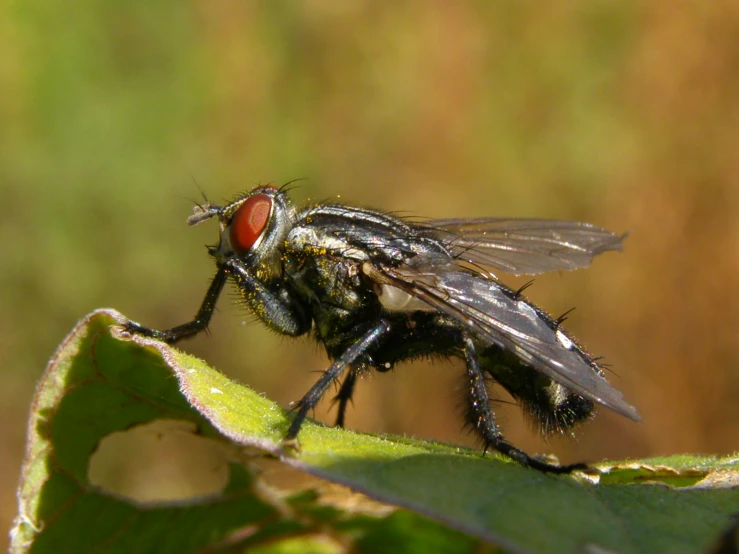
[486, 311]
[524, 246]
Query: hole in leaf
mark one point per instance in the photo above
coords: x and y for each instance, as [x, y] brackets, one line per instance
[160, 461]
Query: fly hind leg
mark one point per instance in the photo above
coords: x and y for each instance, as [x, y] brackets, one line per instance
[480, 417]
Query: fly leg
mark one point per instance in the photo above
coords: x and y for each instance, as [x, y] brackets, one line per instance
[350, 356]
[345, 395]
[482, 419]
[273, 303]
[346, 391]
[191, 328]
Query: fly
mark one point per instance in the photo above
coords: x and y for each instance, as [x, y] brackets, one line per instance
[375, 290]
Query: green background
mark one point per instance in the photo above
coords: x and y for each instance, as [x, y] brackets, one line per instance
[115, 114]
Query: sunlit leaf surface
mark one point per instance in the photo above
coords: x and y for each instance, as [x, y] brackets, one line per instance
[101, 382]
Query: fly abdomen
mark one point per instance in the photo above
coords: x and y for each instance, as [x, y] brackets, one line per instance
[550, 406]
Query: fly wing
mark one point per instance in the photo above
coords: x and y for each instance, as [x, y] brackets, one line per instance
[524, 246]
[482, 306]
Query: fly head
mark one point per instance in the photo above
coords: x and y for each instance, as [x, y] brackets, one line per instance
[252, 228]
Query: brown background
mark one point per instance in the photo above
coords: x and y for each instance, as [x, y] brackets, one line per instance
[623, 114]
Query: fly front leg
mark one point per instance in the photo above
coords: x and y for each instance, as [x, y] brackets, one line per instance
[371, 338]
[481, 418]
[191, 328]
[274, 303]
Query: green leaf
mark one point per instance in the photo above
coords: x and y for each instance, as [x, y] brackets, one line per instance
[102, 382]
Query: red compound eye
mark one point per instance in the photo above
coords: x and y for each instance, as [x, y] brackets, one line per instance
[249, 222]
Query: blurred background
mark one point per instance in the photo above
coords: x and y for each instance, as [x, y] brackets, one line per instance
[625, 114]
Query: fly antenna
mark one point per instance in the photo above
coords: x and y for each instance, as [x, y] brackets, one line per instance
[200, 189]
[202, 212]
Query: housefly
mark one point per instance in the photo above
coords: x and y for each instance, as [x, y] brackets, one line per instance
[375, 289]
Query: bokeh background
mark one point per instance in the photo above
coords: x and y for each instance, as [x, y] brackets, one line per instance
[626, 114]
